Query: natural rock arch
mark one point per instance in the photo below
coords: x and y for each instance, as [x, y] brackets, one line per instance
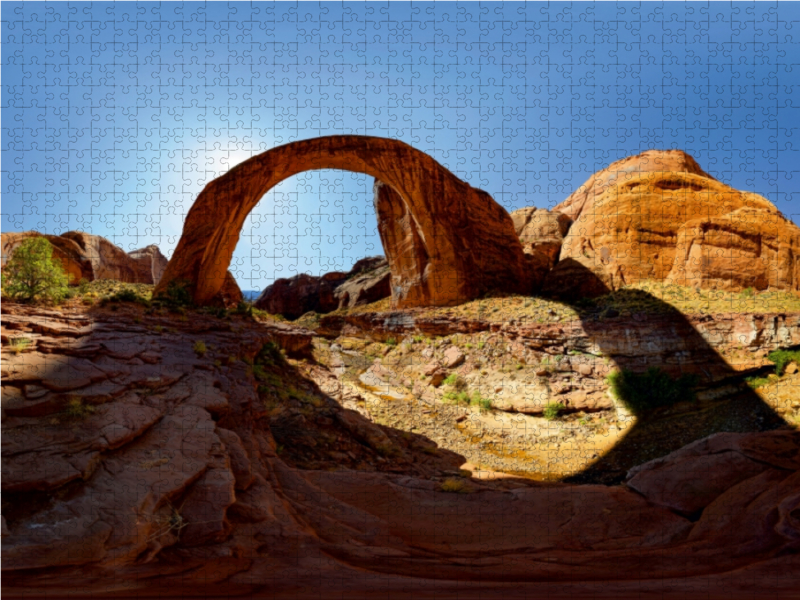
[465, 242]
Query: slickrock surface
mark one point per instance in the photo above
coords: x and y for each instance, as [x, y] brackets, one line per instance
[136, 463]
[659, 216]
[469, 242]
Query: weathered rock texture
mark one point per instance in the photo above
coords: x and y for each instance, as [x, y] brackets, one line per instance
[469, 240]
[151, 257]
[174, 485]
[367, 281]
[109, 261]
[659, 216]
[70, 254]
[541, 230]
[90, 257]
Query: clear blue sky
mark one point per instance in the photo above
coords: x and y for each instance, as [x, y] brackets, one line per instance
[114, 116]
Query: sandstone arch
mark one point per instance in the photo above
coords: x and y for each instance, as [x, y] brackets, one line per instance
[465, 241]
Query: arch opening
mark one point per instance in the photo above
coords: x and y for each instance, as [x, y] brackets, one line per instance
[446, 242]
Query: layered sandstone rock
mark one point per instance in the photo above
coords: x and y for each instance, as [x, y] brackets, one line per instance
[90, 257]
[109, 261]
[541, 230]
[748, 247]
[174, 485]
[152, 258]
[651, 161]
[678, 226]
[70, 254]
[469, 242]
[367, 281]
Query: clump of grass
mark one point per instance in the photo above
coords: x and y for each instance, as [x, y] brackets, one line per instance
[455, 381]
[416, 339]
[453, 397]
[756, 382]
[19, 344]
[200, 347]
[782, 358]
[642, 392]
[391, 341]
[269, 355]
[455, 485]
[748, 292]
[552, 410]
[481, 402]
[77, 409]
[231, 359]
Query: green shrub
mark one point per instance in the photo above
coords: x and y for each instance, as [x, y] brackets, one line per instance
[178, 294]
[453, 397]
[455, 381]
[77, 409]
[270, 354]
[782, 358]
[748, 292]
[391, 341]
[756, 382]
[33, 275]
[552, 410]
[127, 295]
[200, 347]
[480, 401]
[642, 392]
[19, 344]
[244, 308]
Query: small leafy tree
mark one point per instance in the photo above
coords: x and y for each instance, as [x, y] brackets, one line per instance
[32, 274]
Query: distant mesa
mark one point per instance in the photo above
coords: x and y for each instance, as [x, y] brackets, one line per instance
[91, 257]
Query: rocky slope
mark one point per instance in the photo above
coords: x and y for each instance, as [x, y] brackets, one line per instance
[366, 282]
[152, 453]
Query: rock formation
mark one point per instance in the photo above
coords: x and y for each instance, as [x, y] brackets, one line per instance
[367, 281]
[541, 230]
[677, 225]
[132, 462]
[71, 256]
[109, 261]
[151, 257]
[469, 242]
[91, 257]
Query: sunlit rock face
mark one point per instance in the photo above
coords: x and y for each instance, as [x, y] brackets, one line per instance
[659, 216]
[470, 246]
[90, 257]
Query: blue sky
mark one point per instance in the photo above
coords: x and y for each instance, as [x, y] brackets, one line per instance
[115, 115]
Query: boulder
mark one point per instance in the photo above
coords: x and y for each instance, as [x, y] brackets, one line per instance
[630, 229]
[151, 257]
[541, 230]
